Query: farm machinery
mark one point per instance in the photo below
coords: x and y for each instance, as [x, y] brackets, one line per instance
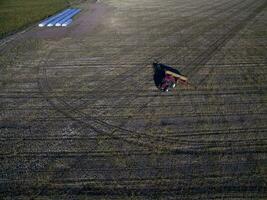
[166, 77]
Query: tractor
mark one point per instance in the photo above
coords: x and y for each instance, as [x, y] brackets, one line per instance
[167, 77]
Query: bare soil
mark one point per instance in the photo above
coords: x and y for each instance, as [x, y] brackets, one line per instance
[81, 116]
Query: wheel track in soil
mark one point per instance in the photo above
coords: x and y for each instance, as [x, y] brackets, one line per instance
[205, 57]
[98, 187]
[216, 47]
[117, 79]
[138, 69]
[183, 134]
[94, 187]
[202, 59]
[126, 72]
[150, 186]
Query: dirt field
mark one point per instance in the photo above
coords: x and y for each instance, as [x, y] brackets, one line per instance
[81, 116]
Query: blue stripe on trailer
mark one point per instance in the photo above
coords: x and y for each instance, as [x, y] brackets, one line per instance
[67, 23]
[53, 22]
[62, 21]
[46, 21]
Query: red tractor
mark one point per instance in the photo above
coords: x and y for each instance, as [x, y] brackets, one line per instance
[167, 77]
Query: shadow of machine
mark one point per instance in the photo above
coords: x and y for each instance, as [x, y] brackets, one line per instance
[166, 77]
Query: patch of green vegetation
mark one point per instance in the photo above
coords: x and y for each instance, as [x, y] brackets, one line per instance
[16, 14]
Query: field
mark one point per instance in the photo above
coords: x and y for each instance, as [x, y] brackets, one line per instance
[81, 116]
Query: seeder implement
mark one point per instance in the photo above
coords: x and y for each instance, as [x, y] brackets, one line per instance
[179, 78]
